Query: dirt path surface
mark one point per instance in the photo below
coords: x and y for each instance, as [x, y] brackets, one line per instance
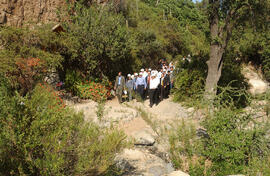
[144, 125]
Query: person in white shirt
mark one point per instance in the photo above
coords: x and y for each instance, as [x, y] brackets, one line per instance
[160, 73]
[145, 73]
[153, 89]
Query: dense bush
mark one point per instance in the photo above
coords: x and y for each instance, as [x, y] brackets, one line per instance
[40, 136]
[94, 91]
[99, 41]
[27, 56]
[231, 142]
[190, 79]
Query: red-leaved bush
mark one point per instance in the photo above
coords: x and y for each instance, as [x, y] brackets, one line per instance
[27, 73]
[94, 91]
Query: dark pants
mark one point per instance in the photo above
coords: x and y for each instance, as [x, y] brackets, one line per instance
[167, 91]
[153, 96]
[162, 93]
[140, 90]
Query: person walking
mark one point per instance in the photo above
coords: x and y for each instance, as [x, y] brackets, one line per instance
[147, 80]
[172, 74]
[129, 86]
[153, 87]
[135, 80]
[119, 86]
[167, 83]
[162, 87]
[140, 85]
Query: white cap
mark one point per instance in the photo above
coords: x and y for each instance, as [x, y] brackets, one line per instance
[135, 74]
[140, 73]
[132, 76]
[149, 69]
[142, 70]
[164, 70]
[129, 75]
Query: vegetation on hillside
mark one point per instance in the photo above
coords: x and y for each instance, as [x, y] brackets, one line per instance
[39, 135]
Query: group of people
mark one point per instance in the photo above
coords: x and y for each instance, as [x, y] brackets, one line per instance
[155, 84]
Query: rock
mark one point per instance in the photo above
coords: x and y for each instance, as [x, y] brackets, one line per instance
[257, 84]
[157, 170]
[190, 110]
[143, 138]
[140, 162]
[178, 173]
[19, 12]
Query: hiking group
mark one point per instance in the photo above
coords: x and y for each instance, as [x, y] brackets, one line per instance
[148, 83]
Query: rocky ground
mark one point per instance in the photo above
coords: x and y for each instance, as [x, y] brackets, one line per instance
[146, 126]
[149, 127]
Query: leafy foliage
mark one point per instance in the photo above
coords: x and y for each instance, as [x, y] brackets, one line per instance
[232, 141]
[40, 136]
[94, 91]
[27, 57]
[100, 43]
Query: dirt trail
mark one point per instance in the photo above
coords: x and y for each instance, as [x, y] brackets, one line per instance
[144, 125]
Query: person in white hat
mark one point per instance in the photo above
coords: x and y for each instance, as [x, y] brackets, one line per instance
[147, 79]
[135, 80]
[129, 86]
[141, 85]
[145, 73]
[153, 89]
[160, 73]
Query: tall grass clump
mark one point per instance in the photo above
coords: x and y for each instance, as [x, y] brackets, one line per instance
[39, 135]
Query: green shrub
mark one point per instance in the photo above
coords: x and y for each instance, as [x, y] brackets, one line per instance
[94, 91]
[40, 136]
[184, 149]
[234, 143]
[190, 79]
[72, 80]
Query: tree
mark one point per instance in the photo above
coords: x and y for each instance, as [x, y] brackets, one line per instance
[224, 16]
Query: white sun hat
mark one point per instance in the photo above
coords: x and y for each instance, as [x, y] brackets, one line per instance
[142, 70]
[129, 75]
[135, 74]
[140, 73]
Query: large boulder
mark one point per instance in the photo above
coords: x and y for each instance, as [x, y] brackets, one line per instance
[141, 162]
[255, 80]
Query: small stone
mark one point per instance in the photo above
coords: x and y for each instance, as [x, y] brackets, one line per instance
[178, 173]
[144, 138]
[157, 170]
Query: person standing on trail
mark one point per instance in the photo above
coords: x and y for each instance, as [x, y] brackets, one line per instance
[147, 80]
[141, 85]
[129, 86]
[153, 89]
[172, 74]
[162, 86]
[119, 86]
[135, 80]
[167, 81]
[145, 73]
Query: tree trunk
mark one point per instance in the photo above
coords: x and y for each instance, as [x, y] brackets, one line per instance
[216, 52]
